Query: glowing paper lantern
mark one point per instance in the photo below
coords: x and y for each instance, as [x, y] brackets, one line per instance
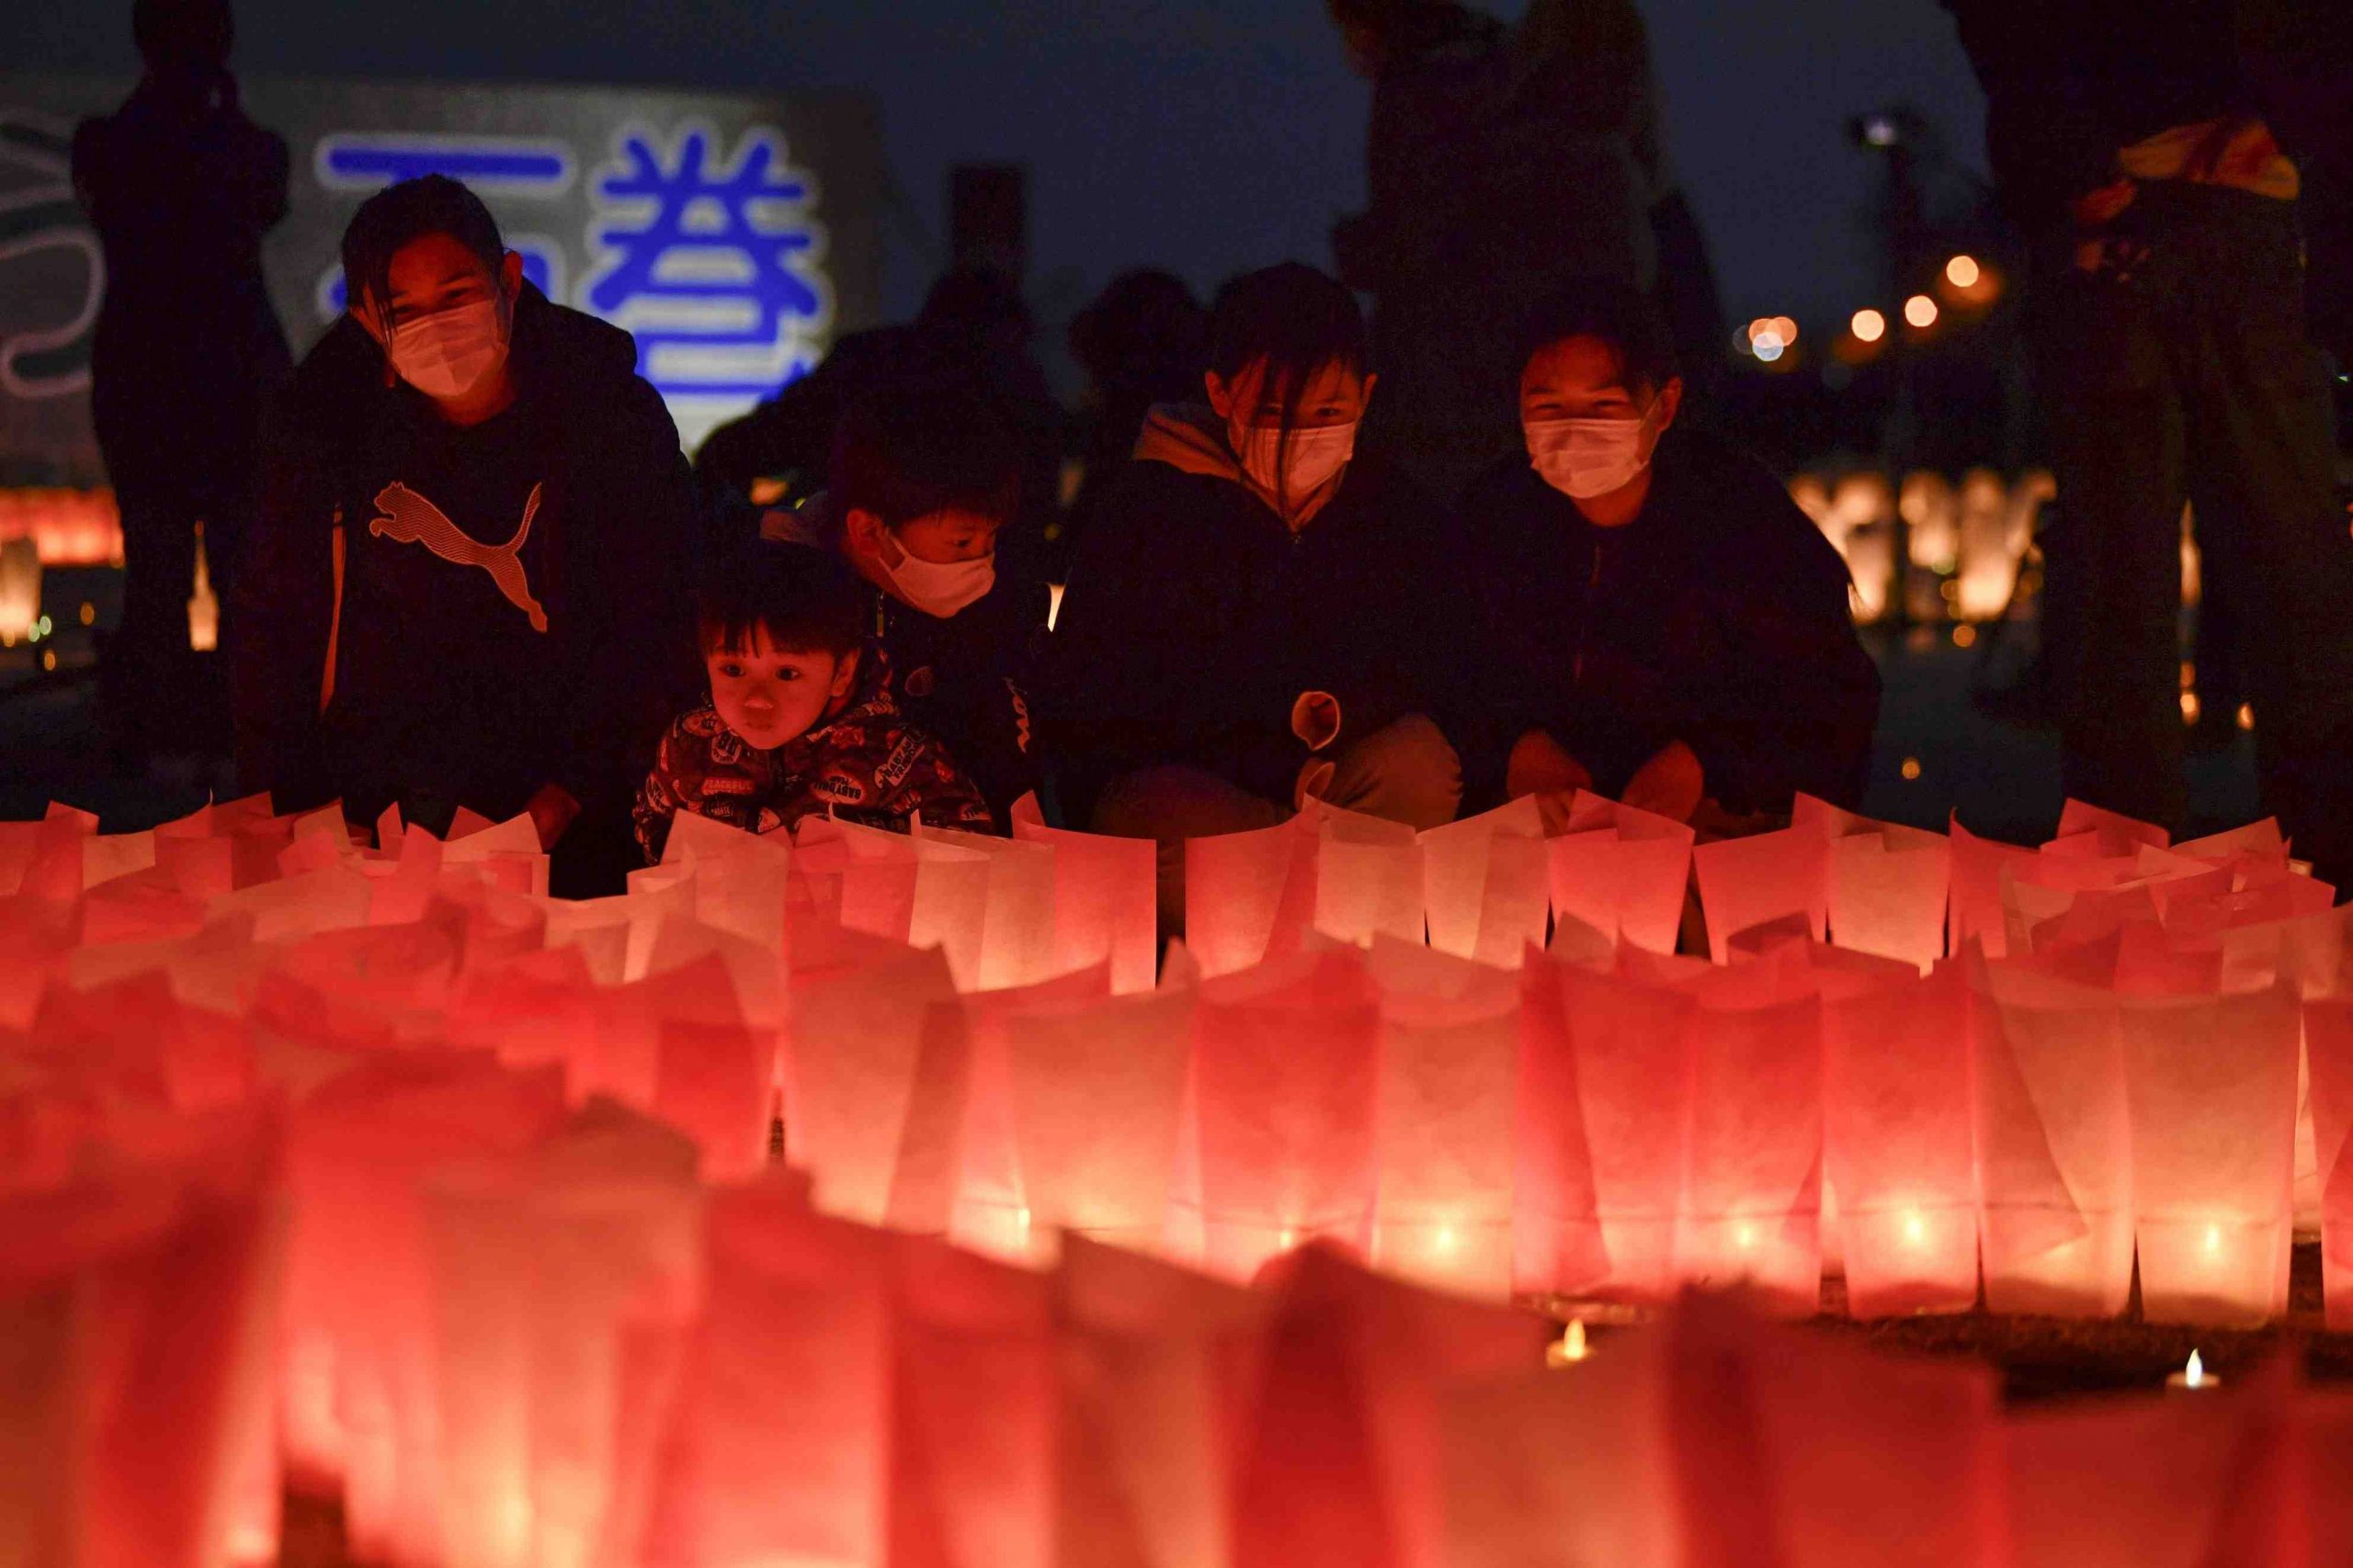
[1556, 1234]
[1018, 922]
[1103, 899]
[1450, 1046]
[924, 892]
[2212, 1081]
[2117, 834]
[1888, 884]
[1484, 884]
[509, 849]
[741, 878]
[2329, 1041]
[1287, 1060]
[1248, 895]
[854, 1048]
[972, 1412]
[989, 1209]
[1752, 1185]
[1634, 1064]
[1897, 1143]
[2055, 1145]
[1976, 899]
[1096, 1088]
[19, 590]
[1621, 872]
[1368, 876]
[779, 1446]
[1752, 881]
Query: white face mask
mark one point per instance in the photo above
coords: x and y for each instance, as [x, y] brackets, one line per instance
[1313, 457]
[1583, 458]
[447, 354]
[939, 588]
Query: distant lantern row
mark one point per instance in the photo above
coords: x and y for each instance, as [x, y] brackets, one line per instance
[1965, 281]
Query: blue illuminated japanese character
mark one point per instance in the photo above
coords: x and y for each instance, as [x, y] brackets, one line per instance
[712, 262]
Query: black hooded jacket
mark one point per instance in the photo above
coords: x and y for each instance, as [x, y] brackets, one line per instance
[1195, 618]
[513, 606]
[1719, 617]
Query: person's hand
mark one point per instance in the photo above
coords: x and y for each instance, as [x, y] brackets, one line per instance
[1315, 719]
[1668, 785]
[1541, 766]
[552, 811]
[1314, 778]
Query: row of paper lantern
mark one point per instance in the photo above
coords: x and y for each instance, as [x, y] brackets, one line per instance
[559, 1347]
[1610, 1118]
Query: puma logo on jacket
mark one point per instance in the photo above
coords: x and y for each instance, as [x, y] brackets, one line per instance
[405, 515]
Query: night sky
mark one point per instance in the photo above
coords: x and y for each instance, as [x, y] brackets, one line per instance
[1204, 135]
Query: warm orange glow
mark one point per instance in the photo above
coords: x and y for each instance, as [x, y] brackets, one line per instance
[1570, 1348]
[1920, 311]
[70, 528]
[2190, 708]
[1911, 769]
[1964, 636]
[1962, 272]
[1868, 327]
[1786, 328]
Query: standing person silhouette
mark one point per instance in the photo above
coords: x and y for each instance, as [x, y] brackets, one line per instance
[181, 187]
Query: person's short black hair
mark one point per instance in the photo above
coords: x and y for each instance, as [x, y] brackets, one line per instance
[805, 600]
[1292, 316]
[913, 446]
[183, 33]
[1617, 313]
[430, 204]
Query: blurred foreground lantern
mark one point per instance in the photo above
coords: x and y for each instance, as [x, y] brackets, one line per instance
[1621, 871]
[19, 590]
[1286, 1063]
[1103, 899]
[2328, 1042]
[2054, 1144]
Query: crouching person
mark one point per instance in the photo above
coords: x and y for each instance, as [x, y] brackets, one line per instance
[800, 720]
[1663, 624]
[1255, 615]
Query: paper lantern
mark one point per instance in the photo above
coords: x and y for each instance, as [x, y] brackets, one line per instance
[1632, 1046]
[1745, 882]
[1287, 1057]
[2212, 1082]
[1976, 897]
[2112, 832]
[1018, 921]
[543, 1264]
[923, 892]
[2328, 1043]
[1752, 1187]
[19, 590]
[1897, 1143]
[973, 1403]
[741, 878]
[778, 1448]
[1556, 1232]
[1104, 899]
[359, 1376]
[1621, 872]
[1889, 884]
[1449, 1049]
[1251, 897]
[853, 1050]
[2055, 1145]
[1485, 884]
[135, 1316]
[1096, 1087]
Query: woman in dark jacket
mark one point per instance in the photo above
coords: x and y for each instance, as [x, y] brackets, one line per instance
[467, 587]
[1256, 616]
[1663, 623]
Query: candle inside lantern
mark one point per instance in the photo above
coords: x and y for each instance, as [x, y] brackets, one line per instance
[2193, 1375]
[1570, 1348]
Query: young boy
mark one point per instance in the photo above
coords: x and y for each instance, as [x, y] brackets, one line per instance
[799, 718]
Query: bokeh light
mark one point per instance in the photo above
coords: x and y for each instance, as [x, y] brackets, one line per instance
[1868, 327]
[1920, 311]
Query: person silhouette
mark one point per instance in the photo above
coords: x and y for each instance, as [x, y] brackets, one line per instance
[180, 186]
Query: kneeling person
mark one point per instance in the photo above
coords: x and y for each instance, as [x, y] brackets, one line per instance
[1663, 624]
[800, 720]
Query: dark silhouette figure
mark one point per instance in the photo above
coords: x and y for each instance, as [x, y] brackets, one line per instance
[1143, 341]
[181, 187]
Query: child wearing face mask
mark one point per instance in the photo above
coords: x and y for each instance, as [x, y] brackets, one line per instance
[926, 474]
[800, 721]
[1662, 624]
[1260, 612]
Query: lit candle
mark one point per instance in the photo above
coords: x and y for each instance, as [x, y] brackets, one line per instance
[1570, 1348]
[2193, 1375]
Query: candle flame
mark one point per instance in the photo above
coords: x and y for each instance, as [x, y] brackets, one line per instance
[2193, 1374]
[1570, 1348]
[1916, 1230]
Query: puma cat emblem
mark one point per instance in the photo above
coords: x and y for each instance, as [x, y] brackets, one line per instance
[404, 515]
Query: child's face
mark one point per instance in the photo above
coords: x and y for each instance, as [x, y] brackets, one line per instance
[770, 695]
